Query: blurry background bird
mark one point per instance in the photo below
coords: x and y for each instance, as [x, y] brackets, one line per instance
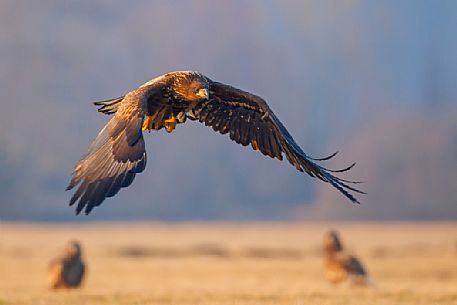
[340, 266]
[67, 270]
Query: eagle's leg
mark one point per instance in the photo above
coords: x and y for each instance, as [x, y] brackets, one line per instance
[147, 123]
[170, 124]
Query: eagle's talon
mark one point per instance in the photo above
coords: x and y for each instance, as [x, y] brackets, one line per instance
[170, 124]
[147, 123]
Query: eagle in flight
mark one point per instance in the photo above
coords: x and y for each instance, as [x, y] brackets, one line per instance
[118, 152]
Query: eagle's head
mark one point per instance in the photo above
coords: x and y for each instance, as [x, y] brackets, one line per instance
[190, 86]
[73, 249]
[332, 242]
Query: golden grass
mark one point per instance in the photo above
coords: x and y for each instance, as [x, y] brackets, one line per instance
[256, 263]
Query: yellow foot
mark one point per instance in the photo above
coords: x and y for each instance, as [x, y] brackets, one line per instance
[170, 124]
[147, 123]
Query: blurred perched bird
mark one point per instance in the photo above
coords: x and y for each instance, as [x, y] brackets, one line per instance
[118, 154]
[67, 271]
[340, 266]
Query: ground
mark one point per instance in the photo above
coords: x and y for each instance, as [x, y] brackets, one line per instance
[229, 263]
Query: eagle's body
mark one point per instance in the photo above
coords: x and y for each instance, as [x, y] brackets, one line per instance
[67, 270]
[340, 266]
[118, 153]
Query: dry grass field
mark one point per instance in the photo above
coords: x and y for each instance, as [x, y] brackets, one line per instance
[229, 263]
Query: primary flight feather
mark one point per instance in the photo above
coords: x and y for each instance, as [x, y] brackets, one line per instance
[118, 152]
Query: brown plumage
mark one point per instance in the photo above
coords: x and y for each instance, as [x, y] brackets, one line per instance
[340, 266]
[118, 153]
[67, 270]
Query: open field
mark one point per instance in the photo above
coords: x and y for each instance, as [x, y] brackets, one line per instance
[226, 263]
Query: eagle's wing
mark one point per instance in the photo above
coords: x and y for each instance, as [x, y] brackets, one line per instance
[249, 120]
[74, 272]
[116, 155]
[353, 265]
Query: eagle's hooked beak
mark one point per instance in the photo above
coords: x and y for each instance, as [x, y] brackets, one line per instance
[203, 93]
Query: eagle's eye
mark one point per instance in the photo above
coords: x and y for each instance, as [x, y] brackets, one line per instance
[197, 89]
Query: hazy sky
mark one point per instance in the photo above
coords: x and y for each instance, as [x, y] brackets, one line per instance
[376, 80]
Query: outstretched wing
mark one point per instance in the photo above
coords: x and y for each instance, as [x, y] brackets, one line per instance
[248, 120]
[114, 158]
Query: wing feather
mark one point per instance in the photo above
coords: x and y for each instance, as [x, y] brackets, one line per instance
[249, 120]
[115, 156]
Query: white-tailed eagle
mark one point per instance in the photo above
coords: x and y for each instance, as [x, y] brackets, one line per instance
[67, 270]
[340, 266]
[118, 153]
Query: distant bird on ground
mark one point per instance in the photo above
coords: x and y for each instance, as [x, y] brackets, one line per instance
[67, 270]
[339, 266]
[118, 154]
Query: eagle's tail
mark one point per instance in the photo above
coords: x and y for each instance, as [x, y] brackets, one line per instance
[109, 106]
